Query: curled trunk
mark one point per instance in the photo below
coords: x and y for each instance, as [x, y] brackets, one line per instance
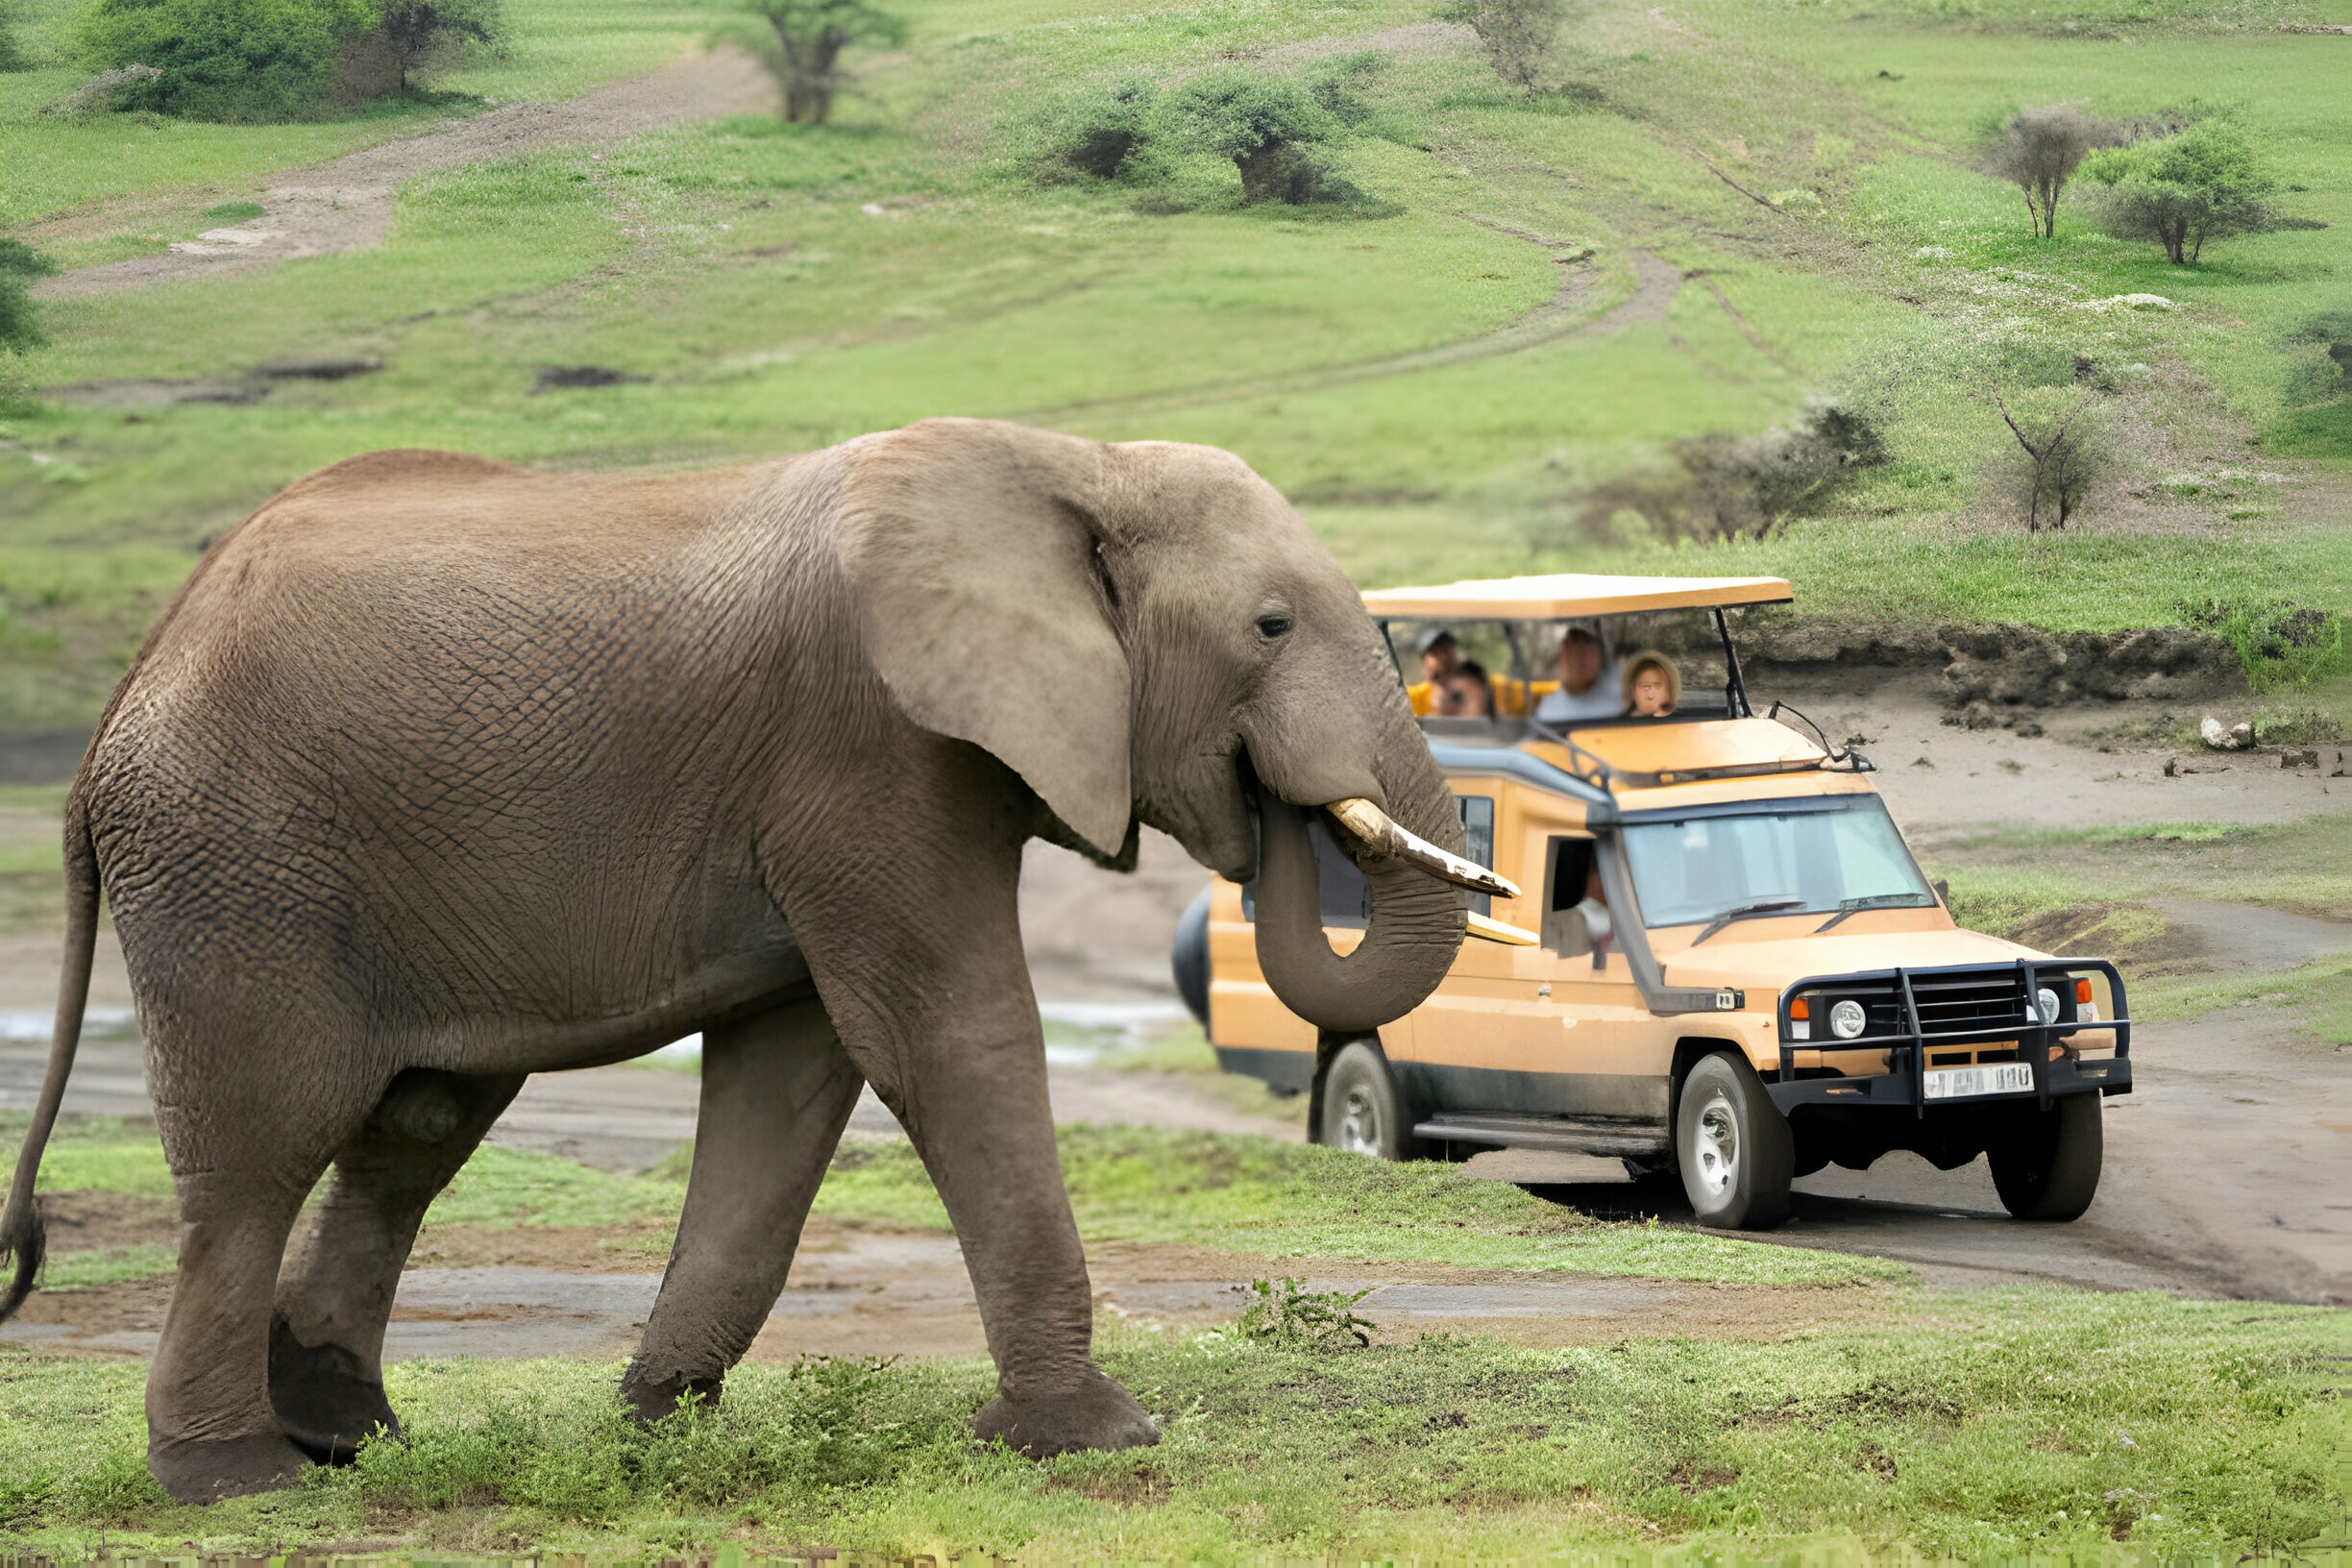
[1417, 927]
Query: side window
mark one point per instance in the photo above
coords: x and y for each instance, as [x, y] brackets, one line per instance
[1478, 832]
[1568, 868]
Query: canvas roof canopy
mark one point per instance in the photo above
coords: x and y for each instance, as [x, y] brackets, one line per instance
[1569, 595]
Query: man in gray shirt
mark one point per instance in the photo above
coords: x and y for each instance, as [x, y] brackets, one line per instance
[1588, 687]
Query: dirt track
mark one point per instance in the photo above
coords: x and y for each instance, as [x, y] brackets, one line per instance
[345, 203]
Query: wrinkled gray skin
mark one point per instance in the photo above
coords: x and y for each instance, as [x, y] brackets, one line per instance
[439, 773]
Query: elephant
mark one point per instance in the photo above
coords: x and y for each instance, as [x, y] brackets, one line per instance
[438, 773]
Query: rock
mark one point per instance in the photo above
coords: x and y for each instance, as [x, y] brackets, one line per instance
[2221, 738]
[2028, 728]
[2303, 758]
[1921, 762]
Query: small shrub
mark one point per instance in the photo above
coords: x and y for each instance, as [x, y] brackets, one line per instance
[225, 60]
[2281, 645]
[1725, 487]
[1305, 1319]
[1107, 136]
[1263, 123]
[2181, 190]
[19, 265]
[13, 57]
[1340, 84]
[1522, 37]
[2061, 456]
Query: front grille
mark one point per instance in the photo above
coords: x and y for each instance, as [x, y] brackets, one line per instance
[1962, 1002]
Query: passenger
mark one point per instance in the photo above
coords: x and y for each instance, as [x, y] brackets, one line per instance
[1440, 656]
[1653, 687]
[1588, 689]
[1464, 693]
[1584, 927]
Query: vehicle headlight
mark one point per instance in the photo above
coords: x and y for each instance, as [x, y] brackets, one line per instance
[1847, 1019]
[2045, 1002]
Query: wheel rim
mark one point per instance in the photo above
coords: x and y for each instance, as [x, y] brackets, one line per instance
[1716, 1147]
[1359, 1121]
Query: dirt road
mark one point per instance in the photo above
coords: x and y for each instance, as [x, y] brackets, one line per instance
[345, 203]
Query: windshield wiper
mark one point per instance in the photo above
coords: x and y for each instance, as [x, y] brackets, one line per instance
[1762, 906]
[1876, 901]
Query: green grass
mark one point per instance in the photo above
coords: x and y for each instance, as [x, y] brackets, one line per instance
[2039, 1423]
[981, 292]
[1232, 1193]
[1288, 1200]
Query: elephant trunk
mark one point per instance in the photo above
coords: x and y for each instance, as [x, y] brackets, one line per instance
[1415, 928]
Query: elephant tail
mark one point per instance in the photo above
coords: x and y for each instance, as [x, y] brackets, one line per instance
[23, 1234]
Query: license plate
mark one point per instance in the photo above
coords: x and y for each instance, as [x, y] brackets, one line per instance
[2000, 1078]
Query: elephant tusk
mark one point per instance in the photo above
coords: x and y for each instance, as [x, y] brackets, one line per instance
[1378, 832]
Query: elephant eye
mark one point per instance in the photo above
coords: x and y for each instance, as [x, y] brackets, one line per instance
[1273, 626]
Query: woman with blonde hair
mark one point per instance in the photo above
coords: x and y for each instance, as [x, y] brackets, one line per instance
[1652, 686]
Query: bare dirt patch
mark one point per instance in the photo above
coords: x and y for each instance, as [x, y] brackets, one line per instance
[107, 1222]
[635, 1249]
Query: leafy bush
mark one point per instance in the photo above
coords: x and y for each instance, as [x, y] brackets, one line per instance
[2182, 190]
[1340, 84]
[1522, 37]
[1305, 1319]
[1108, 134]
[1725, 487]
[1264, 124]
[19, 265]
[226, 60]
[2282, 645]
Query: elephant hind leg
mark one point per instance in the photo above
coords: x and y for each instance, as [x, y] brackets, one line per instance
[326, 1343]
[245, 1149]
[778, 1089]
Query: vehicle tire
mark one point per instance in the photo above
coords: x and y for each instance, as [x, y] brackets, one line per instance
[1362, 1111]
[2045, 1163]
[1734, 1146]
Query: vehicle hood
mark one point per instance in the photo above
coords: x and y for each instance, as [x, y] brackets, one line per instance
[1767, 959]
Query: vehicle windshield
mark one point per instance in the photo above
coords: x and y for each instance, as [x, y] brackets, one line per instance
[1800, 857]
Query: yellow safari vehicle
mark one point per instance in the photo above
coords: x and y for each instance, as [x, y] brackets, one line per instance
[1720, 958]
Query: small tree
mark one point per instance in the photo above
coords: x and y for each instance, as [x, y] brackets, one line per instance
[1520, 35]
[801, 42]
[2039, 152]
[19, 265]
[2182, 190]
[420, 34]
[1264, 124]
[2062, 460]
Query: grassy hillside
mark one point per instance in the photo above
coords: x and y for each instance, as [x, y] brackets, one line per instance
[779, 288]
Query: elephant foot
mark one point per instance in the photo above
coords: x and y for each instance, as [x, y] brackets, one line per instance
[325, 1398]
[1097, 1414]
[653, 1395]
[206, 1470]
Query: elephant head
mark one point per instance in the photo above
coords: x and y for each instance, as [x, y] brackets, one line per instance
[1148, 632]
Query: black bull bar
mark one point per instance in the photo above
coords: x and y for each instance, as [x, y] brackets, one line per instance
[1894, 995]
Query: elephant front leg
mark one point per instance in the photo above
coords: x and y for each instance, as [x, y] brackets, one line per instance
[934, 1004]
[778, 1089]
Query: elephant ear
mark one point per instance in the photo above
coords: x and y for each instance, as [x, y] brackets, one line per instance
[971, 552]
